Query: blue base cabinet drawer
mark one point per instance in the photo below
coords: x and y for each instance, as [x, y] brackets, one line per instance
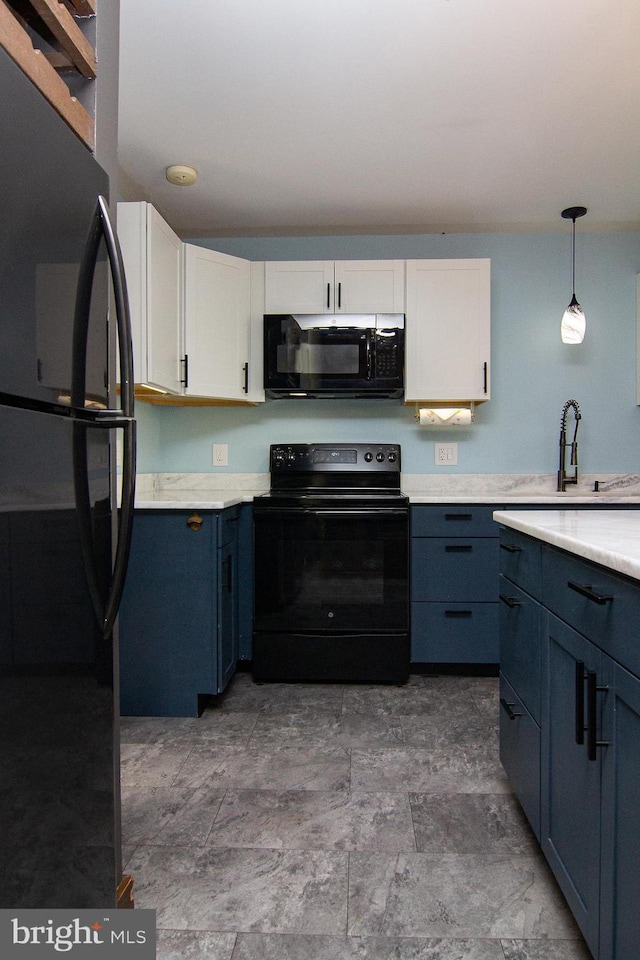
[522, 621]
[457, 569]
[454, 632]
[598, 604]
[521, 560]
[451, 520]
[520, 752]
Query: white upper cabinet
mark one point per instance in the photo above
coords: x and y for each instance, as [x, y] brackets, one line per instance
[448, 330]
[152, 255]
[217, 292]
[340, 286]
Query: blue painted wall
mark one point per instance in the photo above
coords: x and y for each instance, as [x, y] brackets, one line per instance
[533, 373]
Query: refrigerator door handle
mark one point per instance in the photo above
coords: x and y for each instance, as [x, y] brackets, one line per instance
[125, 526]
[101, 226]
[105, 610]
[123, 318]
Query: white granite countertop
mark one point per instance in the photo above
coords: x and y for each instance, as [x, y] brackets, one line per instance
[608, 537]
[215, 491]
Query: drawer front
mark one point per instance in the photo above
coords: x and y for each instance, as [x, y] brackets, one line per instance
[521, 560]
[598, 604]
[453, 520]
[454, 633]
[228, 525]
[454, 569]
[521, 622]
[520, 752]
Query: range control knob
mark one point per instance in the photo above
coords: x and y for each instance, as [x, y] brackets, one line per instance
[368, 456]
[380, 456]
[291, 457]
[392, 457]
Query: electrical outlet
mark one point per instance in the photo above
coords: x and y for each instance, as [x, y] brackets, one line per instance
[446, 454]
[220, 455]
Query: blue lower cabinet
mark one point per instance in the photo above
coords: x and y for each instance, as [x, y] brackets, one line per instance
[570, 780]
[178, 620]
[620, 883]
[454, 576]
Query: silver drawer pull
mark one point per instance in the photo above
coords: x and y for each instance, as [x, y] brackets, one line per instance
[586, 590]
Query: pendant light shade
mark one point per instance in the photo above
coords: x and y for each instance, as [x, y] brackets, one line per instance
[574, 322]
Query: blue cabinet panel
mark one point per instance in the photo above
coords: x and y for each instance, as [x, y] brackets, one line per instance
[620, 918]
[179, 613]
[570, 816]
[168, 616]
[245, 583]
[520, 752]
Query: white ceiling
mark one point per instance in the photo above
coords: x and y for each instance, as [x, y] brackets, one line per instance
[375, 116]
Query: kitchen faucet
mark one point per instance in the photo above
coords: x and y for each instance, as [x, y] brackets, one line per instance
[563, 479]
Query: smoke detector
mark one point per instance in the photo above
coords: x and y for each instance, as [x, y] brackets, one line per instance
[181, 174]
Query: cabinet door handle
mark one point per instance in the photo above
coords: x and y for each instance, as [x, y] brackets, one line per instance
[485, 368]
[592, 715]
[581, 676]
[328, 296]
[586, 590]
[510, 601]
[458, 548]
[460, 614]
[339, 295]
[508, 708]
[245, 370]
[458, 516]
[510, 548]
[185, 360]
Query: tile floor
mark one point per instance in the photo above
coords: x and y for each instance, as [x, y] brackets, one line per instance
[337, 822]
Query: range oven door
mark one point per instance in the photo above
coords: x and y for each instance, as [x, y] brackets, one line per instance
[331, 594]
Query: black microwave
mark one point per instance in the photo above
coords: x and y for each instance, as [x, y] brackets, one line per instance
[334, 355]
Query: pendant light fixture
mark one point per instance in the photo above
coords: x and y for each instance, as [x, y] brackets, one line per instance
[574, 322]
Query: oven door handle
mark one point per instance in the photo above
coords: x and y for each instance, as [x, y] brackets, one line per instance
[339, 512]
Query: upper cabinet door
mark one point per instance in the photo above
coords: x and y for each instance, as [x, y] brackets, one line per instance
[164, 302]
[369, 286]
[152, 255]
[299, 287]
[448, 330]
[216, 328]
[340, 286]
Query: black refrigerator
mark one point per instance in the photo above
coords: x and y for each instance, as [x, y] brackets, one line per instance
[64, 332]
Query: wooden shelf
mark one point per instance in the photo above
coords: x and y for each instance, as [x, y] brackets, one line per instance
[55, 21]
